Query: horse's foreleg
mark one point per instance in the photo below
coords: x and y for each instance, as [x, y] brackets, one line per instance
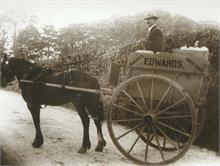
[101, 141]
[35, 112]
[85, 121]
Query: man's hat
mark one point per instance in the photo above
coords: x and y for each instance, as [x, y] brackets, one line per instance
[151, 16]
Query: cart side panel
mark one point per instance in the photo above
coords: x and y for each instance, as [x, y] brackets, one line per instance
[169, 62]
[192, 76]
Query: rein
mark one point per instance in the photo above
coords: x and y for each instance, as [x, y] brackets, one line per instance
[61, 67]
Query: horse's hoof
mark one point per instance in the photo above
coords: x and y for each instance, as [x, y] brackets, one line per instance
[37, 144]
[82, 150]
[100, 146]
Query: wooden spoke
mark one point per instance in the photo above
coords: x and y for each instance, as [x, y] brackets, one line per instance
[146, 153]
[162, 98]
[151, 94]
[128, 110]
[158, 143]
[167, 137]
[136, 140]
[139, 107]
[175, 117]
[164, 142]
[127, 120]
[146, 90]
[176, 112]
[170, 127]
[142, 96]
[147, 144]
[136, 126]
[171, 106]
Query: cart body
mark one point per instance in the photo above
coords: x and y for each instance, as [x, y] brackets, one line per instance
[190, 70]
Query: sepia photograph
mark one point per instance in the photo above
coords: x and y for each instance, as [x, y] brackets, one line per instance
[109, 82]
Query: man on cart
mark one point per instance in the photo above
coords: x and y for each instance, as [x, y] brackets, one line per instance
[154, 37]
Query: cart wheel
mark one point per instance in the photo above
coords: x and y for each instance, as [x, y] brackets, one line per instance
[152, 120]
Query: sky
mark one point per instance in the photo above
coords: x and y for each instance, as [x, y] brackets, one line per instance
[64, 12]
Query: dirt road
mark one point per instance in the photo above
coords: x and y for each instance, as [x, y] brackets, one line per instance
[62, 131]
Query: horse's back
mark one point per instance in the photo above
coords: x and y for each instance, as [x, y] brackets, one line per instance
[76, 77]
[52, 96]
[73, 77]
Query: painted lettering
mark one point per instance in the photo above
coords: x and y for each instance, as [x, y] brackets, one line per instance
[146, 61]
[163, 62]
[180, 64]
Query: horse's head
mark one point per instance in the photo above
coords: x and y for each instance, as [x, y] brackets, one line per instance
[14, 68]
[6, 74]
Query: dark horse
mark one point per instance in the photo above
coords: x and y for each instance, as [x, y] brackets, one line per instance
[37, 94]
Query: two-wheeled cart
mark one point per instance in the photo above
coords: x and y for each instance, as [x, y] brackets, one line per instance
[160, 105]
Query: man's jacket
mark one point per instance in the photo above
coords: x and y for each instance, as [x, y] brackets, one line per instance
[154, 40]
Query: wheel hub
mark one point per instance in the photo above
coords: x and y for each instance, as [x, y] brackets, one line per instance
[148, 119]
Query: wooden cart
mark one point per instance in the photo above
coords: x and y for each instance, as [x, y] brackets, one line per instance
[160, 105]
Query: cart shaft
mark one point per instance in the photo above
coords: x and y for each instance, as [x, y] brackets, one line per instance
[102, 91]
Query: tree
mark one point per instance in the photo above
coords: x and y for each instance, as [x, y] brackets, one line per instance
[12, 22]
[3, 41]
[15, 18]
[4, 34]
[29, 44]
[49, 38]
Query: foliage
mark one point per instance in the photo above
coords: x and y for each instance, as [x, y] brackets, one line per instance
[3, 40]
[49, 38]
[28, 44]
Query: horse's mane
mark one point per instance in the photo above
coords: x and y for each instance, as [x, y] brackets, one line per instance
[23, 67]
[21, 61]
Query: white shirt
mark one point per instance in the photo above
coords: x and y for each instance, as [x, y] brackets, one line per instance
[151, 27]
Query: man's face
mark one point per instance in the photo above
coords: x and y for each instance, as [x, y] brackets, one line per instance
[150, 22]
